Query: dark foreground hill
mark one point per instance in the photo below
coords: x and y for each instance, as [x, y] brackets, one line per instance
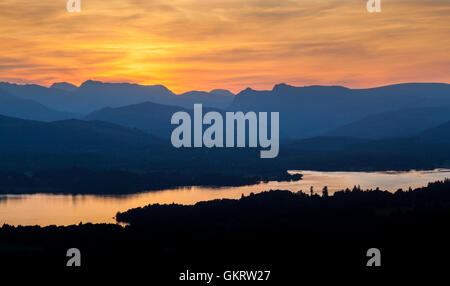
[289, 234]
[343, 211]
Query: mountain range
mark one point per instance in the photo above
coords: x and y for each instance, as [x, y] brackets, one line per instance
[28, 145]
[94, 95]
[29, 109]
[316, 110]
[401, 110]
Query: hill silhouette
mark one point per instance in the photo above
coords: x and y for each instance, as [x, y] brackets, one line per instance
[438, 134]
[214, 99]
[31, 146]
[69, 136]
[118, 139]
[303, 231]
[29, 109]
[76, 156]
[150, 117]
[64, 86]
[399, 123]
[305, 111]
[316, 110]
[95, 95]
[283, 208]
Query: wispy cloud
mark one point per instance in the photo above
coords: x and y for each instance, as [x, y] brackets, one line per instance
[199, 44]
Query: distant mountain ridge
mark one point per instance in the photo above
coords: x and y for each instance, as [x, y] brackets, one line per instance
[95, 95]
[64, 86]
[305, 112]
[315, 110]
[29, 109]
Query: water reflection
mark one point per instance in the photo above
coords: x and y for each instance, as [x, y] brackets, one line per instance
[47, 209]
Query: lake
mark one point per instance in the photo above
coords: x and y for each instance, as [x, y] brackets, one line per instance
[49, 209]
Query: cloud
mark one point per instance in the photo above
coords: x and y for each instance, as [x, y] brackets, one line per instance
[200, 44]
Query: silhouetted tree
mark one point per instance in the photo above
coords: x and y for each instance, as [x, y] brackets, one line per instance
[325, 192]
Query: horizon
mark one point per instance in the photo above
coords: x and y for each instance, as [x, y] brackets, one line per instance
[226, 45]
[223, 88]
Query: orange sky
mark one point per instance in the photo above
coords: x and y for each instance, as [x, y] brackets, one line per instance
[206, 44]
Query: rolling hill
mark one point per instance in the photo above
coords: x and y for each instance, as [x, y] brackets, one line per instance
[69, 136]
[439, 134]
[401, 123]
[150, 117]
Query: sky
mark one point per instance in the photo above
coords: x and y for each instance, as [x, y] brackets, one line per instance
[232, 44]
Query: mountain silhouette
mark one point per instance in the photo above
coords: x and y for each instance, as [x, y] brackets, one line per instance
[70, 136]
[392, 111]
[51, 97]
[150, 117]
[95, 95]
[400, 123]
[90, 96]
[314, 110]
[64, 86]
[29, 109]
[396, 110]
[215, 99]
[223, 92]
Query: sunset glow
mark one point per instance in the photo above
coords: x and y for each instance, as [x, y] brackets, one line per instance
[207, 44]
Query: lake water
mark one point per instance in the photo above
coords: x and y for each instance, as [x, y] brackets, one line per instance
[47, 209]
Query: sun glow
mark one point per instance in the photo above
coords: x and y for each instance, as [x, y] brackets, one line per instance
[187, 44]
